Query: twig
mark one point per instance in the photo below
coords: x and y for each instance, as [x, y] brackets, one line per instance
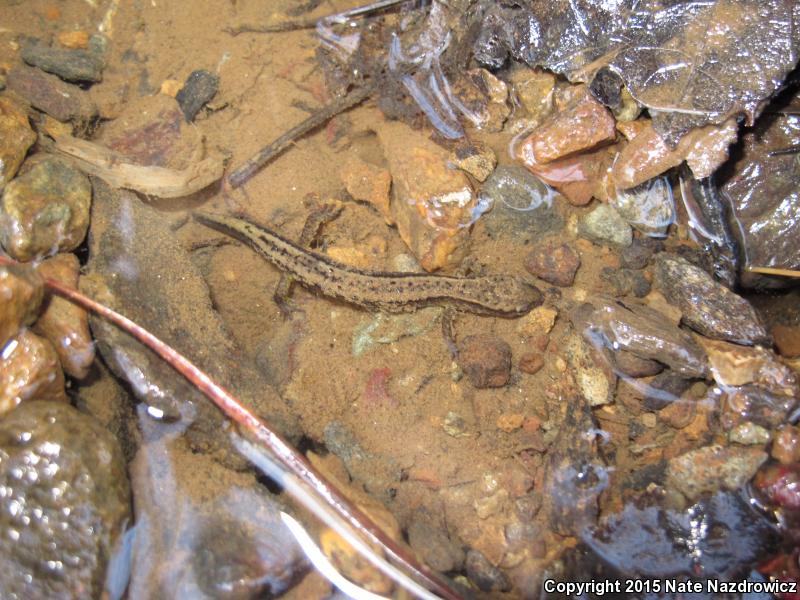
[774, 271]
[241, 175]
[277, 447]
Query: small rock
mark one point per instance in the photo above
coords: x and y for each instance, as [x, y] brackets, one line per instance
[65, 504]
[63, 324]
[486, 360]
[637, 255]
[509, 422]
[531, 363]
[678, 414]
[579, 178]
[649, 420]
[432, 544]
[583, 125]
[787, 340]
[735, 365]
[708, 307]
[537, 322]
[605, 225]
[75, 40]
[516, 189]
[432, 204]
[387, 329]
[556, 264]
[31, 371]
[47, 93]
[71, 65]
[200, 87]
[45, 210]
[749, 434]
[756, 404]
[647, 155]
[596, 381]
[475, 158]
[635, 366]
[664, 389]
[21, 294]
[368, 183]
[713, 468]
[780, 485]
[786, 445]
[454, 425]
[625, 282]
[16, 136]
[484, 574]
[534, 90]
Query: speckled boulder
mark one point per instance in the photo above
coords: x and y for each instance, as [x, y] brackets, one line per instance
[45, 210]
[65, 500]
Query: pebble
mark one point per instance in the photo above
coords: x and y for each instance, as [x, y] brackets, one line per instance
[486, 98]
[432, 544]
[73, 39]
[583, 125]
[625, 282]
[594, 377]
[74, 65]
[47, 93]
[45, 210]
[605, 225]
[475, 158]
[787, 340]
[708, 307]
[484, 574]
[735, 365]
[554, 263]
[531, 363]
[432, 204]
[635, 366]
[16, 136]
[63, 324]
[637, 255]
[713, 468]
[200, 87]
[579, 178]
[485, 359]
[509, 422]
[58, 544]
[31, 371]
[21, 295]
[387, 329]
[665, 389]
[534, 90]
[678, 414]
[646, 155]
[780, 485]
[537, 322]
[786, 445]
[749, 434]
[368, 183]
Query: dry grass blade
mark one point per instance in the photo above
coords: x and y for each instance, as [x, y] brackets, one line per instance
[774, 271]
[272, 443]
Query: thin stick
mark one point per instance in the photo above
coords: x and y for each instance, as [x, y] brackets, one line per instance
[241, 175]
[279, 448]
[774, 271]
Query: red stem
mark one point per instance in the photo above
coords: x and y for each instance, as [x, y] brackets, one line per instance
[277, 446]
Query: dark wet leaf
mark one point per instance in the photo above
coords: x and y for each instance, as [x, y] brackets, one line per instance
[691, 63]
[764, 193]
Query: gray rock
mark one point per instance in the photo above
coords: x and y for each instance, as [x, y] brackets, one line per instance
[708, 307]
[200, 87]
[605, 225]
[71, 65]
[713, 468]
[65, 502]
[433, 545]
[484, 574]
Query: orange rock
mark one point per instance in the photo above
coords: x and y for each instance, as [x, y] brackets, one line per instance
[31, 371]
[433, 204]
[583, 125]
[786, 445]
[509, 422]
[580, 178]
[16, 136]
[74, 39]
[63, 324]
[368, 183]
[21, 294]
[787, 340]
[647, 156]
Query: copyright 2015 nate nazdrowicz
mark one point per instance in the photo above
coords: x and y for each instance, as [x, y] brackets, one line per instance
[602, 587]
